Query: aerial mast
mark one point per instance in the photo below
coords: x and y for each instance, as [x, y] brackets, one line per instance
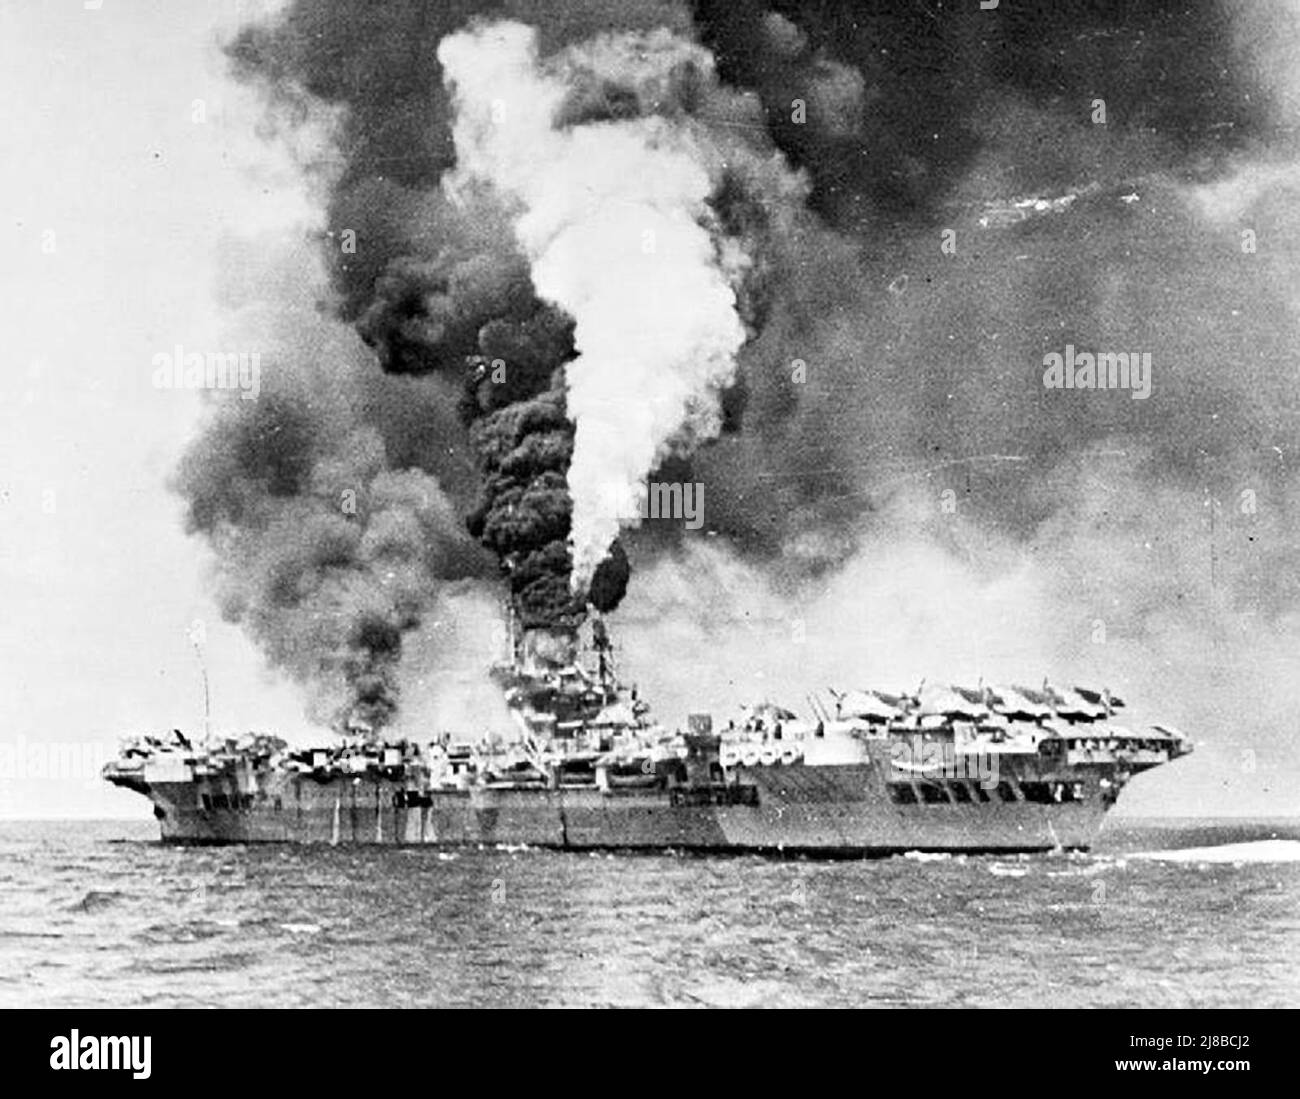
[197, 634]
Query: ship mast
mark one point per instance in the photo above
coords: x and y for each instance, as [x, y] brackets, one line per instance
[512, 652]
[207, 693]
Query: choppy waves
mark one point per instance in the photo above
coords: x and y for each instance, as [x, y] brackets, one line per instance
[85, 921]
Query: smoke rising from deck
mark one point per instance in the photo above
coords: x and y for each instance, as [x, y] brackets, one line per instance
[918, 428]
[334, 514]
[613, 215]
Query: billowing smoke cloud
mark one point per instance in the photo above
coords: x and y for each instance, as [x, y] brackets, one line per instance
[887, 406]
[437, 284]
[613, 215]
[593, 338]
[331, 510]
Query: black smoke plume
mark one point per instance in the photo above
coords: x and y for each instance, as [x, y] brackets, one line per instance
[334, 505]
[435, 286]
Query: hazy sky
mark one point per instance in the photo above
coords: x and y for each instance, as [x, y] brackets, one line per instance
[117, 203]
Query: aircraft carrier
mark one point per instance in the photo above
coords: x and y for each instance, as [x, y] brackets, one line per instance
[863, 772]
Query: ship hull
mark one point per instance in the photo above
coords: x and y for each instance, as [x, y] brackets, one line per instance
[838, 810]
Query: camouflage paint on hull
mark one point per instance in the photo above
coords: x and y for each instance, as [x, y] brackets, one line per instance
[834, 809]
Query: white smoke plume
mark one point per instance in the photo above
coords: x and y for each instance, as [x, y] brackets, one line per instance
[613, 218]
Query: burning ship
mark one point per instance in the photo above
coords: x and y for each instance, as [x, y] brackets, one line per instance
[569, 349]
[587, 767]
